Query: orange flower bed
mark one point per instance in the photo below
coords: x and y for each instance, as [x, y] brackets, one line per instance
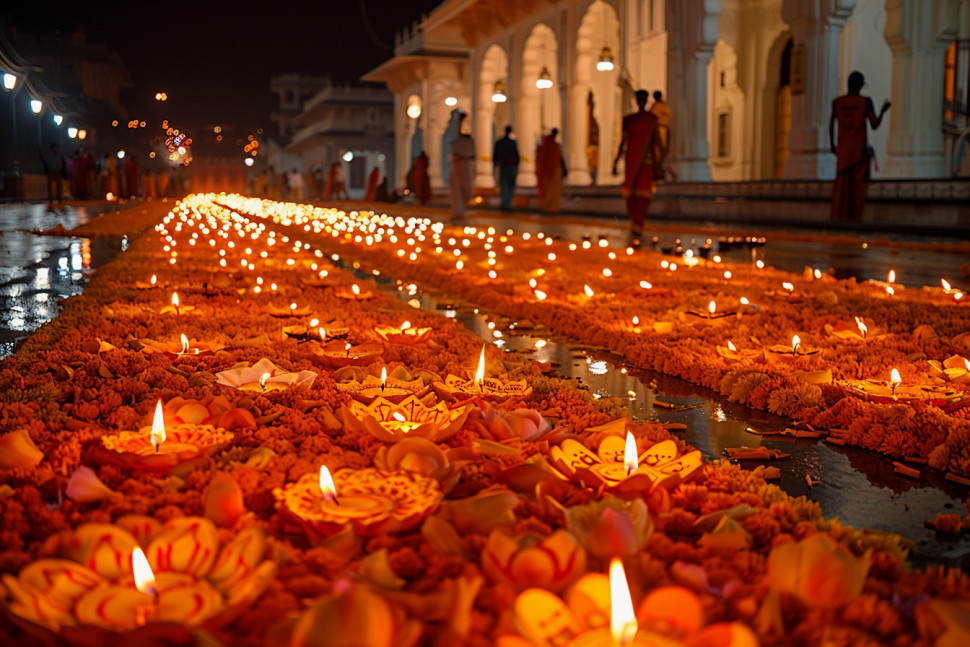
[494, 525]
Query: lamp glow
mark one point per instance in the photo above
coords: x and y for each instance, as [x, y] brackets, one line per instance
[630, 461]
[36, 105]
[544, 82]
[451, 101]
[480, 373]
[500, 93]
[623, 622]
[72, 132]
[9, 81]
[605, 62]
[158, 427]
[57, 119]
[144, 578]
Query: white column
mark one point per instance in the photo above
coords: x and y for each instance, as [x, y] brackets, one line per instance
[918, 33]
[693, 25]
[816, 26]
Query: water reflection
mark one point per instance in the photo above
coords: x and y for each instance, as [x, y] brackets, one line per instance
[36, 272]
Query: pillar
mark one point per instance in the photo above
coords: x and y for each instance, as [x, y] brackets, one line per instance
[816, 27]
[918, 32]
[694, 35]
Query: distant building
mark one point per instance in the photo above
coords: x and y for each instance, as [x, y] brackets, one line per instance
[750, 82]
[352, 126]
[292, 92]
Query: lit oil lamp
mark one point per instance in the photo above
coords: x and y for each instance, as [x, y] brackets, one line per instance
[161, 448]
[710, 316]
[185, 347]
[731, 352]
[784, 355]
[100, 576]
[368, 501]
[405, 335]
[176, 307]
[262, 376]
[390, 422]
[289, 311]
[787, 293]
[355, 293]
[952, 369]
[617, 467]
[395, 386]
[949, 291]
[896, 391]
[151, 284]
[491, 388]
[856, 331]
[337, 354]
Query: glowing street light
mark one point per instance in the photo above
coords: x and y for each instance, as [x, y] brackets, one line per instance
[249, 161]
[58, 119]
[605, 62]
[451, 101]
[121, 154]
[500, 94]
[9, 81]
[82, 134]
[348, 156]
[36, 105]
[544, 82]
[72, 132]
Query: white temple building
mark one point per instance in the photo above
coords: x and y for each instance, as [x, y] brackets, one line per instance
[750, 83]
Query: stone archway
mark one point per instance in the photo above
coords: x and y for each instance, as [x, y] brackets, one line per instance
[777, 107]
[537, 110]
[599, 28]
[495, 67]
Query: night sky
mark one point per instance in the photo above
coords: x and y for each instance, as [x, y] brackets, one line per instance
[215, 59]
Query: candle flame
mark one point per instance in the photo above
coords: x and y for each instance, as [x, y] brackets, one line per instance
[796, 341]
[293, 306]
[646, 285]
[863, 328]
[892, 276]
[355, 289]
[185, 344]
[818, 273]
[744, 301]
[788, 286]
[731, 346]
[623, 622]
[154, 280]
[480, 373]
[636, 320]
[175, 300]
[314, 322]
[894, 377]
[383, 378]
[540, 295]
[405, 326]
[630, 454]
[158, 426]
[399, 416]
[144, 578]
[711, 307]
[263, 378]
[588, 290]
[945, 284]
[327, 486]
[890, 291]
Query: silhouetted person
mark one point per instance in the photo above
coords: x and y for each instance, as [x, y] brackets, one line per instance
[132, 174]
[418, 180]
[550, 170]
[661, 110]
[505, 159]
[644, 156]
[462, 157]
[851, 111]
[55, 167]
[370, 194]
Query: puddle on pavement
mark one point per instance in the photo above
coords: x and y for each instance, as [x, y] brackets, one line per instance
[37, 272]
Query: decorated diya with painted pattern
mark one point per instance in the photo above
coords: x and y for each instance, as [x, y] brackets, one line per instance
[368, 501]
[185, 347]
[616, 466]
[354, 293]
[263, 376]
[898, 392]
[337, 354]
[786, 356]
[389, 421]
[90, 580]
[396, 385]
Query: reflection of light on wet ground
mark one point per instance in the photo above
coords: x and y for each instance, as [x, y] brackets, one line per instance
[37, 271]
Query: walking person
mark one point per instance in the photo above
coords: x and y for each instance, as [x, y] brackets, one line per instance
[462, 157]
[644, 159]
[505, 158]
[550, 169]
[852, 152]
[418, 180]
[661, 110]
[55, 167]
[294, 182]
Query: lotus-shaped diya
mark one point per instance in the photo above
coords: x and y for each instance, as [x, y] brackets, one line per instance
[89, 580]
[337, 354]
[481, 386]
[617, 467]
[354, 293]
[405, 334]
[895, 391]
[785, 356]
[525, 560]
[390, 422]
[369, 501]
[858, 331]
[184, 347]
[395, 385]
[264, 375]
[160, 448]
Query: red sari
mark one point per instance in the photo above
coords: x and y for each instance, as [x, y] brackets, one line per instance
[642, 152]
[852, 153]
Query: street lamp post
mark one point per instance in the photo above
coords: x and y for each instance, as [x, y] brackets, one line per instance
[10, 85]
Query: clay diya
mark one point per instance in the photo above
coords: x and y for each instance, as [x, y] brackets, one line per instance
[314, 331]
[149, 285]
[404, 335]
[396, 385]
[787, 293]
[185, 347]
[490, 388]
[952, 369]
[176, 307]
[895, 391]
[292, 310]
[98, 575]
[368, 501]
[617, 467]
[337, 354]
[354, 293]
[858, 331]
[263, 376]
[781, 355]
[709, 317]
[731, 352]
[390, 422]
[161, 448]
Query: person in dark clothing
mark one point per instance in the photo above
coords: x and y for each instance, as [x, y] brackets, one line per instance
[55, 167]
[505, 158]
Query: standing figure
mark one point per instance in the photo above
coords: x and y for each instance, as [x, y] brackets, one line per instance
[418, 179]
[294, 181]
[550, 169]
[661, 110]
[644, 157]
[505, 158]
[371, 193]
[132, 175]
[55, 167]
[462, 157]
[340, 183]
[851, 184]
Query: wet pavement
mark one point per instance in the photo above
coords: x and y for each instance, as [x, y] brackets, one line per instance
[37, 272]
[858, 487]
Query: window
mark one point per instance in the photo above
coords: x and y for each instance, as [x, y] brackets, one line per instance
[723, 134]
